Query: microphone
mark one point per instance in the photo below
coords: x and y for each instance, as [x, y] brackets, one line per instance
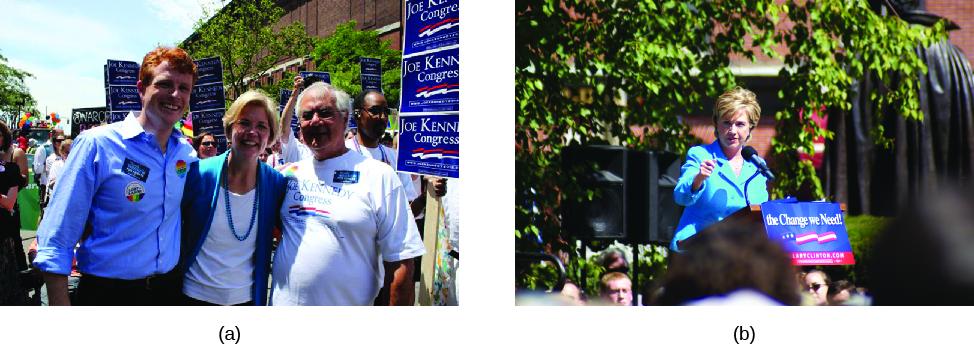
[752, 155]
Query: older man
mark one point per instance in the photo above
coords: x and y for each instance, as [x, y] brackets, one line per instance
[342, 211]
[121, 187]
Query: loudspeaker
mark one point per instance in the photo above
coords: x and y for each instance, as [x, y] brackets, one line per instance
[653, 213]
[604, 216]
[636, 205]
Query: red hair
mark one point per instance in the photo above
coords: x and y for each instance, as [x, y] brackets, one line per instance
[177, 58]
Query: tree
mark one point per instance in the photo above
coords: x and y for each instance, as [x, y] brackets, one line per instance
[243, 35]
[15, 97]
[339, 54]
[646, 60]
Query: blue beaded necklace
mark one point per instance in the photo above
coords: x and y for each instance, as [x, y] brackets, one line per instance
[226, 196]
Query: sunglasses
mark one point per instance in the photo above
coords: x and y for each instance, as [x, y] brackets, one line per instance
[814, 287]
[58, 139]
[208, 144]
[376, 110]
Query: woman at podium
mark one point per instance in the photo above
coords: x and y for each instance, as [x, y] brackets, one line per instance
[715, 176]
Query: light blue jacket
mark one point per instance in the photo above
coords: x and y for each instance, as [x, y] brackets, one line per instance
[199, 203]
[719, 196]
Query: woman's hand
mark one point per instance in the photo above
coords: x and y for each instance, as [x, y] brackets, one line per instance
[706, 169]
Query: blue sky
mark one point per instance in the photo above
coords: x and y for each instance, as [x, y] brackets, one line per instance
[65, 43]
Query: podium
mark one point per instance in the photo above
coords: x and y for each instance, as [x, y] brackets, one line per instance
[748, 217]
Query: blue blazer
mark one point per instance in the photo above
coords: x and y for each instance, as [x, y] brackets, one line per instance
[719, 196]
[199, 202]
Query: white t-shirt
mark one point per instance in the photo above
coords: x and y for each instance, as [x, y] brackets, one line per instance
[224, 269]
[339, 216]
[391, 158]
[56, 166]
[40, 156]
[295, 151]
[48, 163]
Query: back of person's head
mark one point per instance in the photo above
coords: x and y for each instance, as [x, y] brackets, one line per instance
[614, 261]
[6, 139]
[931, 245]
[840, 292]
[720, 263]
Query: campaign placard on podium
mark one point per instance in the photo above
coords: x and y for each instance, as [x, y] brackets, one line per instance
[813, 233]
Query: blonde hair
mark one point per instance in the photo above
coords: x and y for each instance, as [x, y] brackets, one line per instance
[66, 144]
[256, 98]
[731, 102]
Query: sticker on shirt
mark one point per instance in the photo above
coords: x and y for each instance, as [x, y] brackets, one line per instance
[289, 171]
[181, 168]
[135, 169]
[346, 177]
[134, 191]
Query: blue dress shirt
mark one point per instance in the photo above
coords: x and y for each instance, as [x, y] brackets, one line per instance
[119, 186]
[719, 196]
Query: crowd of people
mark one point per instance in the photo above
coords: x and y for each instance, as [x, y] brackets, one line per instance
[134, 213]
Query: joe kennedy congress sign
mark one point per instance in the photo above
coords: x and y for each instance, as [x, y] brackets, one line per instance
[813, 233]
[431, 82]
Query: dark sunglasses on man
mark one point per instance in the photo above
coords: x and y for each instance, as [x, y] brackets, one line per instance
[377, 110]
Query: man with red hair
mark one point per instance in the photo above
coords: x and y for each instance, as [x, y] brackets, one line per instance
[121, 190]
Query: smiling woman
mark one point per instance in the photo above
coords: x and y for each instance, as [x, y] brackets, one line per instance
[716, 181]
[226, 260]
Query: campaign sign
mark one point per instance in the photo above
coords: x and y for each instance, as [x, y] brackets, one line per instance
[124, 98]
[813, 233]
[431, 82]
[370, 66]
[431, 24]
[121, 72]
[206, 97]
[430, 144]
[294, 120]
[116, 116]
[322, 76]
[86, 118]
[371, 83]
[210, 121]
[210, 71]
[283, 97]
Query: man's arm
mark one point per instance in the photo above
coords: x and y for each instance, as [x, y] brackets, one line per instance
[289, 108]
[57, 289]
[399, 279]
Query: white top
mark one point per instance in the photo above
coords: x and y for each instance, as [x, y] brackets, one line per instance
[335, 230]
[40, 156]
[224, 269]
[48, 163]
[56, 166]
[391, 157]
[295, 151]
